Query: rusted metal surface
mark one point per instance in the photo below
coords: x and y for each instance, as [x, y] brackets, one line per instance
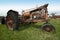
[39, 13]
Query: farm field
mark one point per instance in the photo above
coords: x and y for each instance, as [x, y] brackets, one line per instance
[30, 32]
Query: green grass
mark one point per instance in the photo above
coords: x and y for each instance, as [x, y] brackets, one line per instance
[30, 32]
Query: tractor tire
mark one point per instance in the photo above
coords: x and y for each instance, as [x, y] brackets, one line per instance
[2, 20]
[48, 27]
[12, 21]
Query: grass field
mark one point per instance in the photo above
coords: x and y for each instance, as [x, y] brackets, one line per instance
[30, 32]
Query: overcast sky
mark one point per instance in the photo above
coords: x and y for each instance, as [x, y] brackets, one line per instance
[19, 5]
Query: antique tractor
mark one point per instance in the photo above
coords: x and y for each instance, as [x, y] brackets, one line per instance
[13, 19]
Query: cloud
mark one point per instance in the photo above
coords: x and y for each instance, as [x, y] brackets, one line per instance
[54, 8]
[4, 8]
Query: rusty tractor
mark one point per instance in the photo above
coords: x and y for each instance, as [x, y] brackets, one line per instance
[13, 19]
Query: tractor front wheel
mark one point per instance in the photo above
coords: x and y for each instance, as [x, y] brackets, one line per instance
[48, 28]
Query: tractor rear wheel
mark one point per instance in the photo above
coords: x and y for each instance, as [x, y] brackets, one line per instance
[12, 20]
